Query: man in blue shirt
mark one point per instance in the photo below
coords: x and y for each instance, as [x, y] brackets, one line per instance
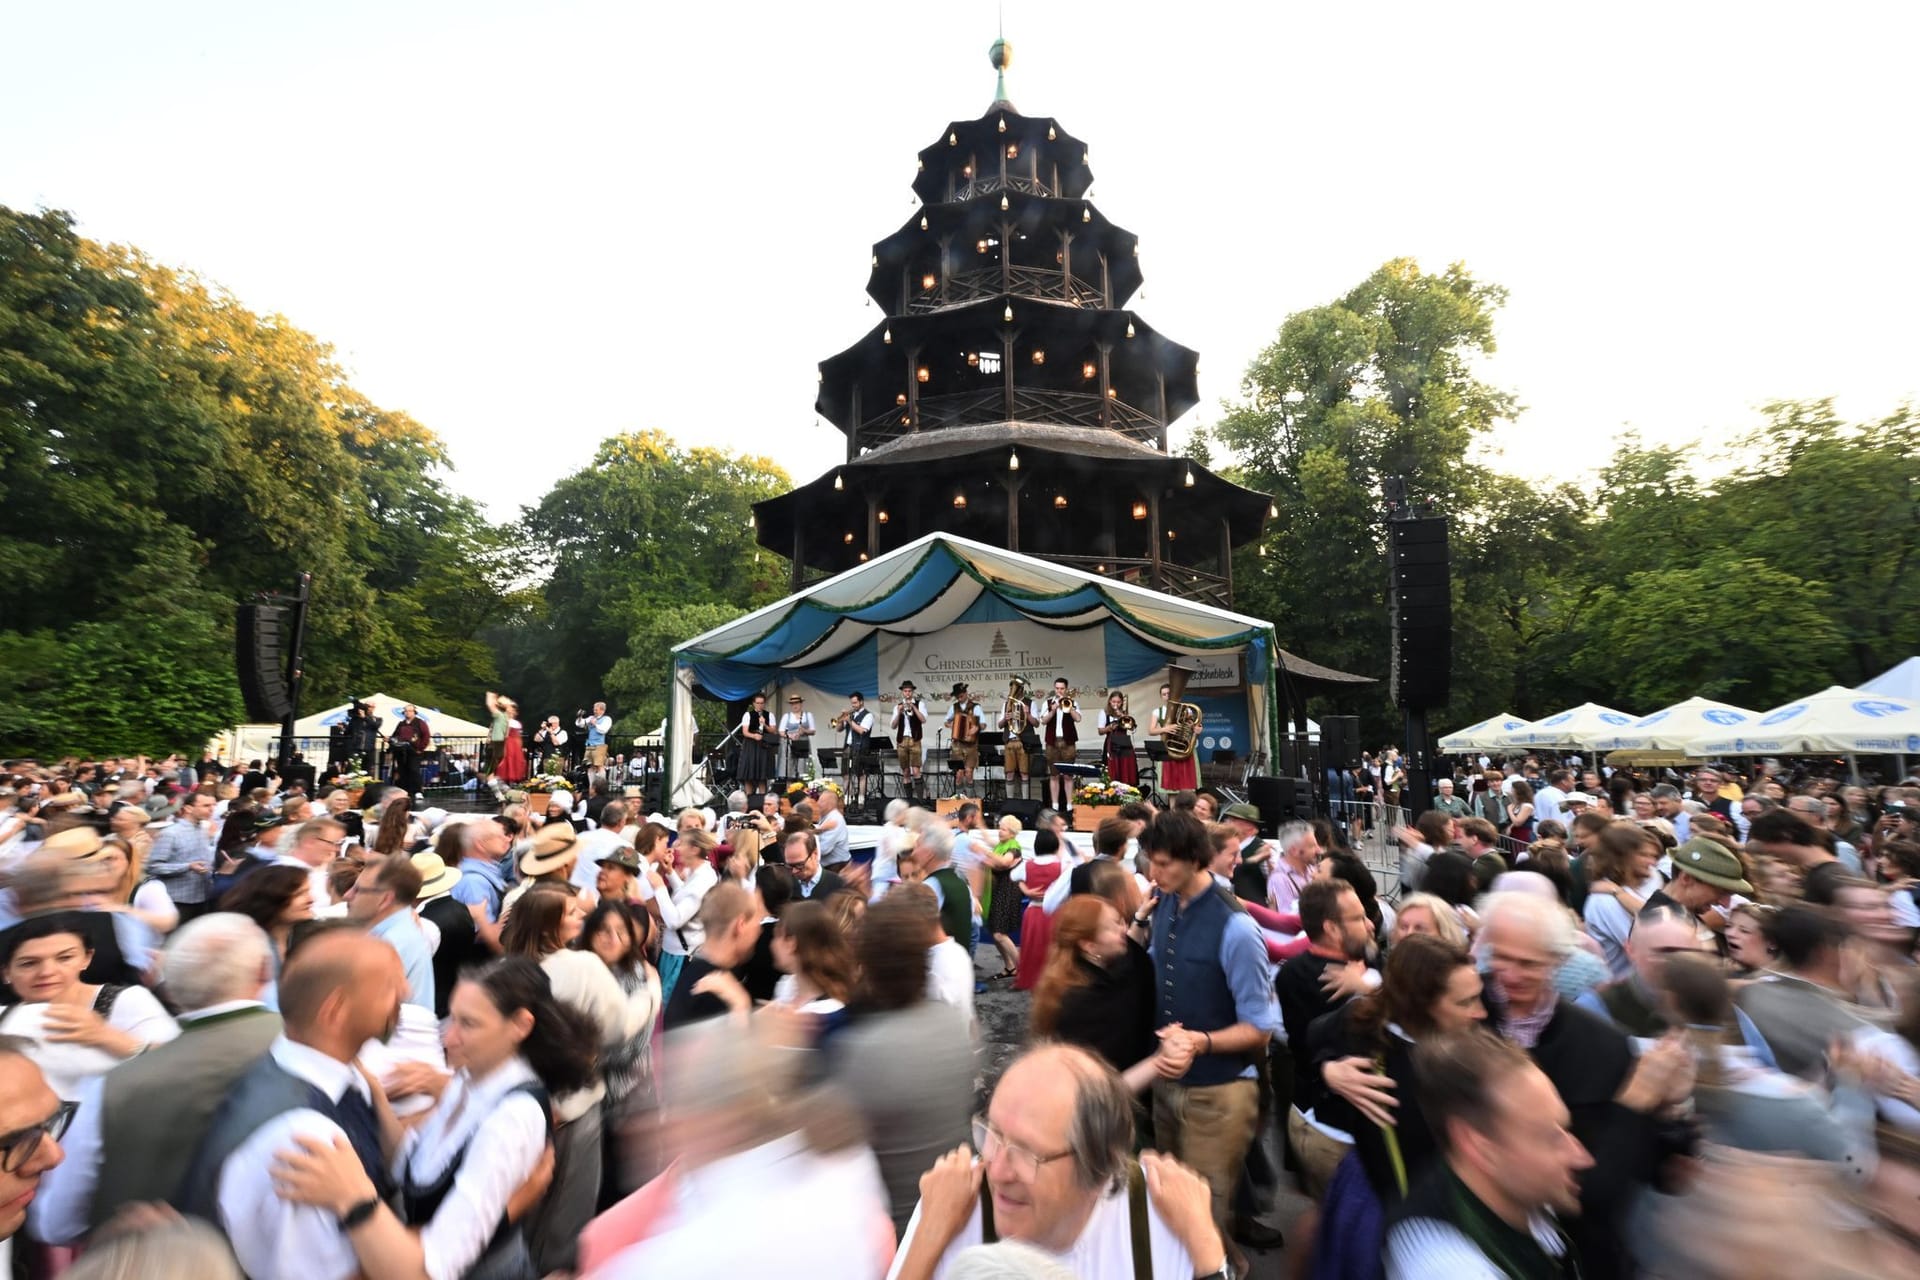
[482, 883]
[382, 899]
[1213, 990]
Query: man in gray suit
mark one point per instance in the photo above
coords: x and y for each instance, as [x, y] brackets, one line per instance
[138, 1125]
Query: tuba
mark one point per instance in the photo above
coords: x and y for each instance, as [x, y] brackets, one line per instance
[1014, 715]
[1182, 732]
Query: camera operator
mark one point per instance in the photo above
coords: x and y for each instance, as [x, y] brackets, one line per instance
[550, 741]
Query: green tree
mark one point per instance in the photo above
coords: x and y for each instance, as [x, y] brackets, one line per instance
[648, 528]
[1379, 383]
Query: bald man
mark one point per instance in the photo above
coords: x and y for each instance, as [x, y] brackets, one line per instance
[338, 991]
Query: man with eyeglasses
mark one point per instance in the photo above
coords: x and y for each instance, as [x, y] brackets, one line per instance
[802, 855]
[1812, 810]
[32, 1120]
[1053, 1172]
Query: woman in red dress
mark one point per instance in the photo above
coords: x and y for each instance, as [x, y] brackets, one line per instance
[1118, 752]
[513, 756]
[1034, 876]
[1175, 775]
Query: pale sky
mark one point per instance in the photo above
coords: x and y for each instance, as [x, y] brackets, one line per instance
[532, 225]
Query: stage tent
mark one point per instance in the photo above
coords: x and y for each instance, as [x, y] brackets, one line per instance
[1484, 736]
[1672, 728]
[387, 708]
[1575, 727]
[1834, 721]
[944, 608]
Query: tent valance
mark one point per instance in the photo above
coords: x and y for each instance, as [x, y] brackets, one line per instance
[1835, 720]
[386, 708]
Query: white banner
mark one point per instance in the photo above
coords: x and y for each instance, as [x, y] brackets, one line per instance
[986, 655]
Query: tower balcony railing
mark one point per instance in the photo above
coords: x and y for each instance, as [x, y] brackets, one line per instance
[1049, 284]
[1175, 579]
[1030, 404]
[992, 183]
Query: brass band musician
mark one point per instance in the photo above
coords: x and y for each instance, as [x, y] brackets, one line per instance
[1017, 726]
[1063, 741]
[909, 726]
[796, 737]
[1175, 775]
[964, 722]
[1116, 729]
[856, 727]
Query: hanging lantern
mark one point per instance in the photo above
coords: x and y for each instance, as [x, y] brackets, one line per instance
[1050, 133]
[863, 557]
[1129, 328]
[966, 171]
[920, 165]
[901, 398]
[882, 517]
[1263, 551]
[1113, 393]
[886, 336]
[847, 537]
[1059, 502]
[1003, 124]
[1273, 513]
[876, 260]
[959, 502]
[923, 222]
[1013, 151]
[1039, 356]
[1188, 482]
[1004, 205]
[929, 280]
[1086, 213]
[1139, 511]
[953, 139]
[980, 246]
[1013, 459]
[1099, 568]
[1088, 369]
[1007, 315]
[973, 358]
[922, 373]
[1169, 535]
[838, 483]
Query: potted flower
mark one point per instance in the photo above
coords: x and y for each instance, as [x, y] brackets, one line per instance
[356, 784]
[1095, 802]
[540, 788]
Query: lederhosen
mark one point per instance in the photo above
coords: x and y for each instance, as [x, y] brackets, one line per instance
[1063, 737]
[907, 745]
[967, 754]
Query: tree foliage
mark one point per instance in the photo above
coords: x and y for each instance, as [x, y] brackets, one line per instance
[164, 452]
[1787, 564]
[649, 545]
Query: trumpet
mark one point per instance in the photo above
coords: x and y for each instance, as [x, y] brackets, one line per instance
[840, 721]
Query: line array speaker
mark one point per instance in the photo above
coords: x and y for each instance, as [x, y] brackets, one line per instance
[261, 660]
[1419, 612]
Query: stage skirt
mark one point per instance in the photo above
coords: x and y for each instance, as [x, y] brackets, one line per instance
[756, 761]
[1180, 775]
[1123, 767]
[513, 759]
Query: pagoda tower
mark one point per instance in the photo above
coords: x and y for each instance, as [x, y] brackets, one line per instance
[1009, 395]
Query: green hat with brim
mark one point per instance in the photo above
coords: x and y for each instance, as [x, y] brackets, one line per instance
[1711, 862]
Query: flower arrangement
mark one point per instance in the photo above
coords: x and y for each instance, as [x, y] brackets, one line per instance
[1106, 791]
[826, 784]
[796, 789]
[548, 782]
[357, 781]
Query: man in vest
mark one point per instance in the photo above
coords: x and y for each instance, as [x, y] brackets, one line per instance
[1063, 743]
[1511, 1163]
[934, 852]
[597, 726]
[138, 1125]
[340, 990]
[1214, 996]
[909, 725]
[1053, 1171]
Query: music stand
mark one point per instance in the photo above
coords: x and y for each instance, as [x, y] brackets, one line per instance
[991, 742]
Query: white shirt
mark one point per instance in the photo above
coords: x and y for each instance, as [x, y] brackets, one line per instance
[582, 980]
[832, 837]
[680, 904]
[1549, 805]
[318, 884]
[950, 976]
[791, 723]
[503, 1134]
[828, 1218]
[1105, 1246]
[899, 720]
[68, 1066]
[271, 1238]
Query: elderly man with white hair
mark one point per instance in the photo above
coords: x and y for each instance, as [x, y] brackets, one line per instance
[137, 1126]
[1614, 1099]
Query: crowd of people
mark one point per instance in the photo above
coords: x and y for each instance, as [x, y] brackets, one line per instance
[1670, 1028]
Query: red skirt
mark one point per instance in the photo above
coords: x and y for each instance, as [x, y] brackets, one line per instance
[1036, 935]
[513, 760]
[1122, 767]
[1180, 775]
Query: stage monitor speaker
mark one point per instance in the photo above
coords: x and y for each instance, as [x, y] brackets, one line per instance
[1280, 801]
[1028, 811]
[1340, 741]
[260, 658]
[1419, 612]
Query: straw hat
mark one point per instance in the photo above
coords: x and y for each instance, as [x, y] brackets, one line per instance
[75, 842]
[552, 849]
[436, 877]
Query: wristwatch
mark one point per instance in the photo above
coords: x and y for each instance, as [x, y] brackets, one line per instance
[1224, 1273]
[359, 1213]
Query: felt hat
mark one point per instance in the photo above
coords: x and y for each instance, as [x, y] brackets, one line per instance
[553, 847]
[1712, 863]
[436, 877]
[1244, 812]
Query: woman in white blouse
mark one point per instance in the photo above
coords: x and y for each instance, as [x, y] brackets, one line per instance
[464, 1173]
[74, 1030]
[680, 877]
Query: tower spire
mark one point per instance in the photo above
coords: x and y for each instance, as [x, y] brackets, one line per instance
[1000, 54]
